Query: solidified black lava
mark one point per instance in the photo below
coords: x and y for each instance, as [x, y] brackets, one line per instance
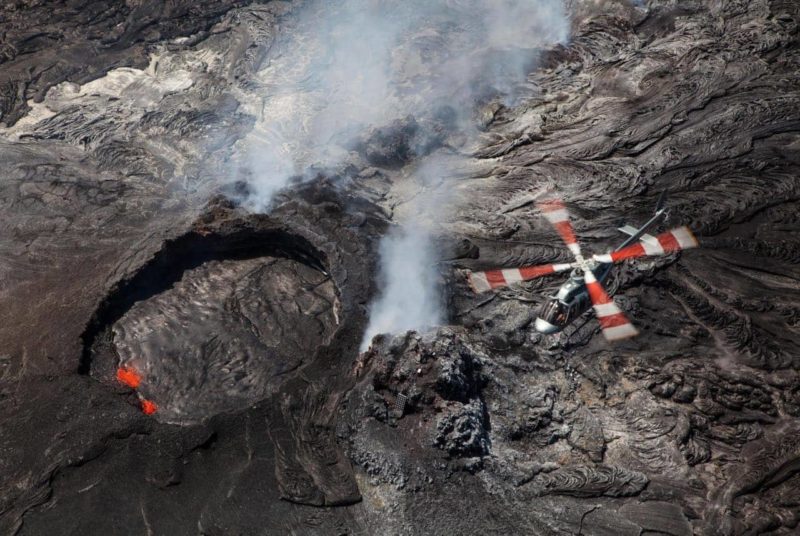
[190, 252]
[225, 333]
[247, 328]
[213, 323]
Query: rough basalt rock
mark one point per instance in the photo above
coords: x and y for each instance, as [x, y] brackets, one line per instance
[592, 482]
[123, 131]
[460, 431]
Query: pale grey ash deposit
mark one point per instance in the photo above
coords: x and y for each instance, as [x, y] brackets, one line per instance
[201, 192]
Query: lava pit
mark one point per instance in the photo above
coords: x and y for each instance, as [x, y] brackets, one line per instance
[222, 336]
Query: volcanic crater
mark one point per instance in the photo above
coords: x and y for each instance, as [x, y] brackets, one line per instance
[215, 321]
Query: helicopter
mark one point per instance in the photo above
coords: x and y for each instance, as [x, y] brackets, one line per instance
[584, 288]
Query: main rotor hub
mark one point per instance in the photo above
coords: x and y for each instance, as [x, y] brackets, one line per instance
[585, 265]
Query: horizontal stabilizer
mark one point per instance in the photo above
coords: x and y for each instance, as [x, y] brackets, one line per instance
[629, 230]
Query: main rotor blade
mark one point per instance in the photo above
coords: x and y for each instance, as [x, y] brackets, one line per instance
[663, 244]
[614, 323]
[491, 279]
[556, 213]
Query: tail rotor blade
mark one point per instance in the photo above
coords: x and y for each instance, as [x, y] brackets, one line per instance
[556, 213]
[663, 244]
[492, 279]
[614, 323]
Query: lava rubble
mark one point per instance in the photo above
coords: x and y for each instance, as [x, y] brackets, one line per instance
[117, 120]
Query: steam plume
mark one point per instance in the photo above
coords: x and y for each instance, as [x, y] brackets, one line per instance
[408, 297]
[344, 67]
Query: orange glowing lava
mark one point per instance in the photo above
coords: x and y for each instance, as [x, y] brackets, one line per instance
[129, 377]
[149, 407]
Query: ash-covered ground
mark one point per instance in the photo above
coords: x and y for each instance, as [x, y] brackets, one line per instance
[150, 220]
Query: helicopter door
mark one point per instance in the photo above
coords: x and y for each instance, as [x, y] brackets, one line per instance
[575, 308]
[572, 309]
[583, 303]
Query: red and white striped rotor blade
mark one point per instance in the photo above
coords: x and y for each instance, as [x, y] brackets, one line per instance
[491, 279]
[556, 213]
[663, 244]
[614, 323]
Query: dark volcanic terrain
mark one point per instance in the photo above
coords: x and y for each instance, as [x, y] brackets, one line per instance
[125, 242]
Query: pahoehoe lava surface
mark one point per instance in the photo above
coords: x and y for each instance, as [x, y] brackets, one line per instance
[118, 244]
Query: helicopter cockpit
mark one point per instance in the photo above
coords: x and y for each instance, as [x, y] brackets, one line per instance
[570, 302]
[555, 312]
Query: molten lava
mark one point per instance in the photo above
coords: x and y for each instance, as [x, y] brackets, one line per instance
[149, 407]
[129, 377]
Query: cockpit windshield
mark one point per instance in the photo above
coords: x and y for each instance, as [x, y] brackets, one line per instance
[555, 312]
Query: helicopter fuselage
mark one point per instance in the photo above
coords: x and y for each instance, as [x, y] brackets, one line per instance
[571, 301]
[573, 298]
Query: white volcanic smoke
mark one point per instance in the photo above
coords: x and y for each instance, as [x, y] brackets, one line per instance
[408, 299]
[343, 66]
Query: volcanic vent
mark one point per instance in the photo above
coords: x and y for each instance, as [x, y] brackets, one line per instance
[214, 322]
